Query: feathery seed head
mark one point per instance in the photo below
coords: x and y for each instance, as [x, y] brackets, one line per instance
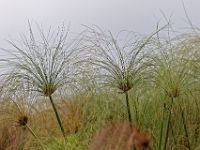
[125, 85]
[173, 93]
[23, 120]
[48, 89]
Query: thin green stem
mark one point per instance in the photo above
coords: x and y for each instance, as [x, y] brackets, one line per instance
[161, 129]
[57, 116]
[185, 128]
[168, 123]
[128, 108]
[31, 131]
[173, 135]
[36, 137]
[136, 110]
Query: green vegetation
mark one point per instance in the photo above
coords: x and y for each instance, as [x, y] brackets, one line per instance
[100, 91]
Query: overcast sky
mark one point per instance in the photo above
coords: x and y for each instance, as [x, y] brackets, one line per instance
[137, 15]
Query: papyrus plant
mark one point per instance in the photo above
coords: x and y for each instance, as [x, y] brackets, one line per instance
[120, 59]
[172, 78]
[43, 63]
[16, 115]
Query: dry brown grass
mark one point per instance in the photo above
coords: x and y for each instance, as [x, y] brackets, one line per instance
[120, 136]
[71, 113]
[13, 132]
[13, 137]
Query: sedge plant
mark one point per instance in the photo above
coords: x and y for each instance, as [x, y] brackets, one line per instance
[16, 115]
[43, 63]
[119, 59]
[171, 77]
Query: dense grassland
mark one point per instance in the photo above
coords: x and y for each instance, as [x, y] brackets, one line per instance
[101, 91]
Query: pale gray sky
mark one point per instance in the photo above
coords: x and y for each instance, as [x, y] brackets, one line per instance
[137, 15]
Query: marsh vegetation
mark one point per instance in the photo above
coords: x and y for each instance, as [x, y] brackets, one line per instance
[101, 91]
